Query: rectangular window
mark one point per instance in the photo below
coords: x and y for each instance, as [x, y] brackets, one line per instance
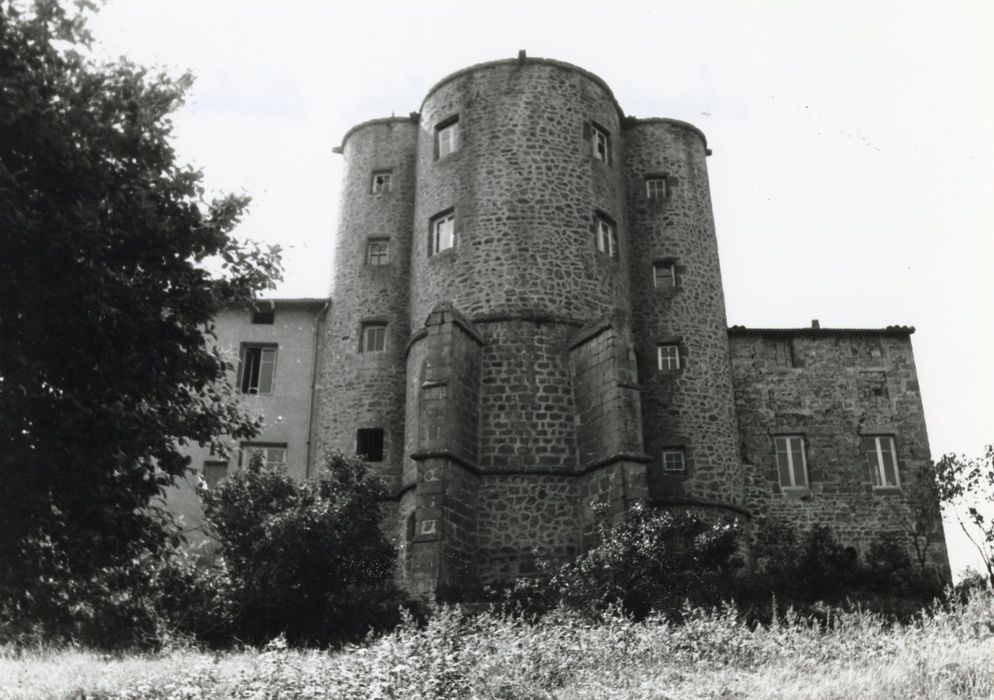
[881, 460]
[263, 318]
[668, 356]
[447, 137]
[607, 237]
[378, 252]
[655, 188]
[369, 444]
[792, 463]
[214, 472]
[374, 337]
[381, 182]
[256, 367]
[663, 275]
[674, 459]
[442, 233]
[271, 455]
[601, 142]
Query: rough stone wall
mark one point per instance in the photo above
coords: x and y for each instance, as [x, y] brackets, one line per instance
[366, 389]
[831, 387]
[524, 186]
[526, 403]
[691, 407]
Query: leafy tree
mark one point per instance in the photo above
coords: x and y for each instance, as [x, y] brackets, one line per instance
[304, 559]
[967, 485]
[106, 306]
[923, 518]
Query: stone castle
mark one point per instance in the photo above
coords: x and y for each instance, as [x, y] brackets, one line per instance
[528, 320]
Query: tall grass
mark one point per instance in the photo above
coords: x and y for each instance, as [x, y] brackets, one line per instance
[945, 653]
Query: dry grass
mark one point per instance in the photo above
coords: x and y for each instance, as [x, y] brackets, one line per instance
[946, 654]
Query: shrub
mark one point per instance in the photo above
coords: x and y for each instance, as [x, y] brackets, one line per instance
[649, 560]
[303, 559]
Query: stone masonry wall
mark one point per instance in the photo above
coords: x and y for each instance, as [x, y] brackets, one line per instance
[832, 388]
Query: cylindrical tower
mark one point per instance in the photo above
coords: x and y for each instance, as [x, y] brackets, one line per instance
[360, 406]
[688, 410]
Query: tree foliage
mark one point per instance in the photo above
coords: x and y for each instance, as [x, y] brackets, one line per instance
[304, 559]
[106, 306]
[967, 485]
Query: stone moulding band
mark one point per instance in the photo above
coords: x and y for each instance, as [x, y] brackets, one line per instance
[475, 469]
[699, 503]
[495, 318]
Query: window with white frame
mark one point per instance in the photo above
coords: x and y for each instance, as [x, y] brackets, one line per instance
[663, 275]
[442, 233]
[378, 252]
[655, 188]
[374, 337]
[674, 459]
[792, 464]
[881, 460]
[600, 140]
[256, 368]
[606, 236]
[447, 137]
[668, 356]
[381, 182]
[272, 455]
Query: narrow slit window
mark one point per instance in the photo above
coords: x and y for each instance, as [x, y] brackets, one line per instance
[256, 369]
[369, 444]
[668, 356]
[792, 464]
[601, 143]
[374, 337]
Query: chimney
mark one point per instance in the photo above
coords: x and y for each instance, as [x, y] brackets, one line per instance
[814, 323]
[521, 56]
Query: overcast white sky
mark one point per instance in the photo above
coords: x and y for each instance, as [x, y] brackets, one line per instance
[853, 166]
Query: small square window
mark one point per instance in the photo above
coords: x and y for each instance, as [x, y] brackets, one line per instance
[271, 455]
[369, 444]
[381, 182]
[256, 368]
[881, 460]
[601, 143]
[792, 464]
[674, 459]
[668, 356]
[263, 318]
[215, 470]
[606, 236]
[663, 275]
[378, 252]
[655, 188]
[447, 137]
[442, 233]
[374, 337]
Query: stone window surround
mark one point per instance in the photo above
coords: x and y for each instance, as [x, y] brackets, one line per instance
[375, 258]
[600, 143]
[381, 182]
[674, 277]
[447, 137]
[674, 451]
[367, 335]
[657, 187]
[606, 235]
[877, 434]
[789, 435]
[434, 231]
[671, 342]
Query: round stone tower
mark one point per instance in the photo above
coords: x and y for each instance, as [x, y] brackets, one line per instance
[681, 336]
[360, 406]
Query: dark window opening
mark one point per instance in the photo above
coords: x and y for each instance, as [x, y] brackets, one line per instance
[263, 318]
[369, 444]
[214, 472]
[256, 367]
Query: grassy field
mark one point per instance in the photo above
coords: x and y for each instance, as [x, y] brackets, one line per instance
[945, 654]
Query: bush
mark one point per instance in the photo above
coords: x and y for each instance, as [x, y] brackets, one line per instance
[649, 560]
[306, 560]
